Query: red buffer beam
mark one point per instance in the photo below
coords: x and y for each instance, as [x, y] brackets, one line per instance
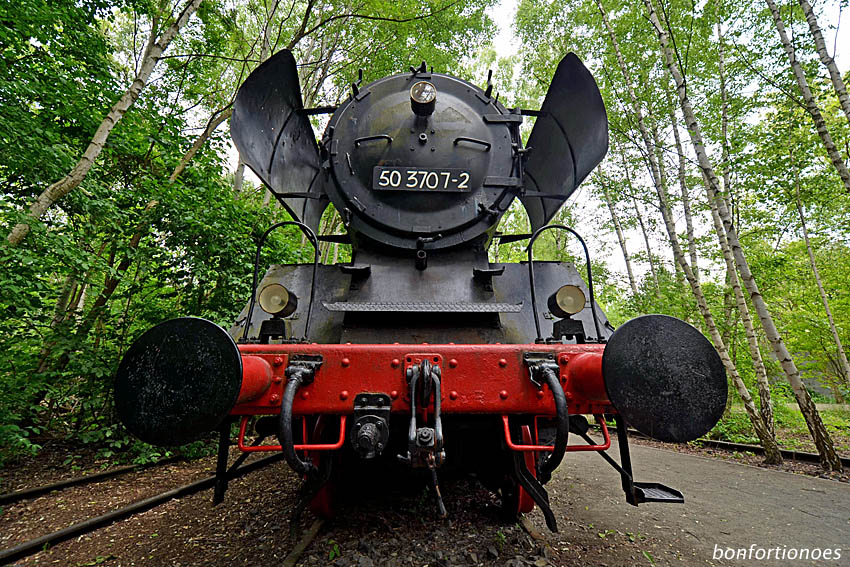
[476, 379]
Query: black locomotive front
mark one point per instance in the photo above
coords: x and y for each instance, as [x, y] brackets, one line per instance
[371, 355]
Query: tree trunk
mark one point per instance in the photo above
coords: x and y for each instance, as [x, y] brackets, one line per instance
[238, 177]
[823, 442]
[215, 120]
[639, 215]
[768, 442]
[154, 49]
[811, 104]
[621, 238]
[842, 356]
[762, 382]
[827, 60]
[683, 186]
[649, 256]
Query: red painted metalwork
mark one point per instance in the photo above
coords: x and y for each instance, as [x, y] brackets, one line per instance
[529, 447]
[256, 378]
[526, 447]
[606, 437]
[584, 376]
[243, 427]
[525, 503]
[476, 378]
[323, 504]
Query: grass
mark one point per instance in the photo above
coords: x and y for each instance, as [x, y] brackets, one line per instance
[791, 429]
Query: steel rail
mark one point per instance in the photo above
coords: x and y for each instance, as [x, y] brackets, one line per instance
[28, 493]
[35, 545]
[786, 453]
[789, 454]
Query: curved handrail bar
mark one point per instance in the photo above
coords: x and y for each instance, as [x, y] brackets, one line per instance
[315, 242]
[534, 236]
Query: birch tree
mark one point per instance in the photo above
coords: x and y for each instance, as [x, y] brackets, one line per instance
[826, 59]
[823, 442]
[772, 453]
[844, 365]
[156, 45]
[811, 104]
[621, 238]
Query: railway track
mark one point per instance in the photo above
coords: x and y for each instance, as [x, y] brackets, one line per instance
[92, 524]
[789, 454]
[759, 450]
[28, 493]
[86, 526]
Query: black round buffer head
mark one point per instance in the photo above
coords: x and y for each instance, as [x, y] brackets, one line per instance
[665, 378]
[178, 381]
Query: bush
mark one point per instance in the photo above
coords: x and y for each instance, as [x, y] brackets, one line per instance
[735, 427]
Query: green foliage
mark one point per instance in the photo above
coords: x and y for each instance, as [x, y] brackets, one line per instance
[130, 248]
[734, 427]
[334, 551]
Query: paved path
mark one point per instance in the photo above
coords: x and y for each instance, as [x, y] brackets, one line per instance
[728, 505]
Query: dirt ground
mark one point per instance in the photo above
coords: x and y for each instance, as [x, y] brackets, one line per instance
[382, 523]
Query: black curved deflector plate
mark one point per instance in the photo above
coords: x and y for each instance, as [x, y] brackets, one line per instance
[665, 378]
[178, 381]
[276, 140]
[569, 139]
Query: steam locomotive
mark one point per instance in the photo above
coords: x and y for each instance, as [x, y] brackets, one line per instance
[420, 351]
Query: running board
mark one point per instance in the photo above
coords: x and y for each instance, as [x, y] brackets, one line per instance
[655, 492]
[636, 492]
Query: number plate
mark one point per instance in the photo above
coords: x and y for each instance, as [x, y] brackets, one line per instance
[420, 179]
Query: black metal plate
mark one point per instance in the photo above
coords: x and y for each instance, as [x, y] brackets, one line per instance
[275, 139]
[569, 139]
[178, 381]
[665, 378]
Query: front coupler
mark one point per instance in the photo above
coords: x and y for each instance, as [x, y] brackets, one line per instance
[425, 444]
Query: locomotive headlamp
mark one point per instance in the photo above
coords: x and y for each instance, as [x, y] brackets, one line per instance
[568, 300]
[423, 98]
[276, 300]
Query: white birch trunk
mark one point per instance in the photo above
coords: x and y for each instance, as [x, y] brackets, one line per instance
[238, 177]
[213, 123]
[842, 356]
[621, 238]
[823, 442]
[683, 187]
[826, 59]
[768, 442]
[639, 215]
[650, 258]
[154, 49]
[811, 104]
[762, 382]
